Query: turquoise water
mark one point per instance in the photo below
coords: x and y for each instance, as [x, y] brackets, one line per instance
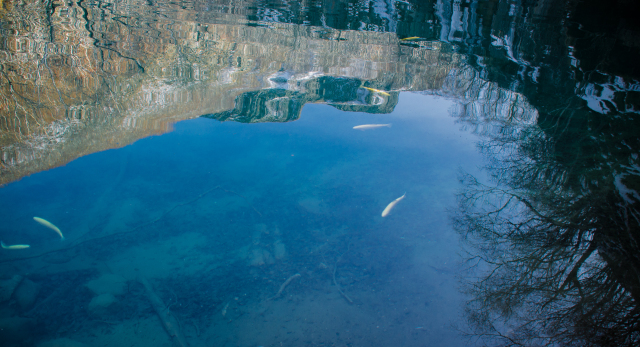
[220, 214]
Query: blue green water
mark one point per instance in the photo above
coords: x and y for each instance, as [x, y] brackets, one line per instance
[191, 209]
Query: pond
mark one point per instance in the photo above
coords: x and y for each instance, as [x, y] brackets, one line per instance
[322, 173]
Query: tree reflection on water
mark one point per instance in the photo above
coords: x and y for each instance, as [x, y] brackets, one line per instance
[555, 232]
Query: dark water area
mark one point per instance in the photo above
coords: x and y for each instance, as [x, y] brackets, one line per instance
[323, 173]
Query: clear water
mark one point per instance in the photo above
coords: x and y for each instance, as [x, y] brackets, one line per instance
[219, 215]
[201, 161]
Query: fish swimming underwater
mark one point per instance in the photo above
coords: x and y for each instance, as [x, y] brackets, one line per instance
[370, 126]
[391, 205]
[49, 225]
[13, 246]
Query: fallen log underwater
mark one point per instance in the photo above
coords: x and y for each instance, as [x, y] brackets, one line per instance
[169, 322]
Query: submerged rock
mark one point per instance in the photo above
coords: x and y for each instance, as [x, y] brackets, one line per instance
[101, 304]
[26, 293]
[7, 287]
[268, 258]
[108, 284]
[260, 257]
[279, 250]
[256, 258]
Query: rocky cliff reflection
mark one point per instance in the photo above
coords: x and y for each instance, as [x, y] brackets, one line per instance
[83, 77]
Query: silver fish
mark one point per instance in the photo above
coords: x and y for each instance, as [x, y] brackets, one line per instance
[49, 225]
[13, 246]
[370, 126]
[391, 205]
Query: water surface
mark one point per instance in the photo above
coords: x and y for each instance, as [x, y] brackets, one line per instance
[201, 161]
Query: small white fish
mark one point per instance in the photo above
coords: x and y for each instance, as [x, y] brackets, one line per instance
[377, 91]
[49, 225]
[391, 205]
[371, 126]
[13, 246]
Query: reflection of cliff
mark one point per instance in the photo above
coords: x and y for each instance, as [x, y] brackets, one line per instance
[77, 80]
[552, 51]
[281, 104]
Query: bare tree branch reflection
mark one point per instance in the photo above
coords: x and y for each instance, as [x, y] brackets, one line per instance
[553, 238]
